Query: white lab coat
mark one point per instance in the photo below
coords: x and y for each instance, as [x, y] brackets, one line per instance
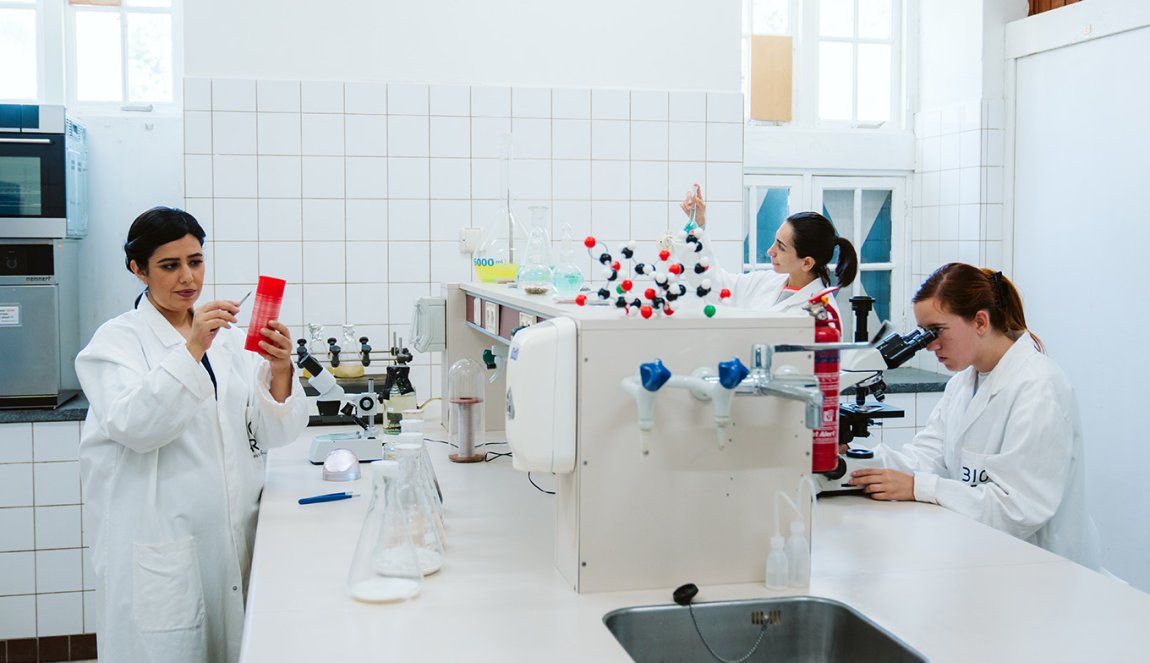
[1009, 456]
[759, 290]
[172, 485]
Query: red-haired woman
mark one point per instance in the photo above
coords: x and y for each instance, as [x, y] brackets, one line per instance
[1004, 444]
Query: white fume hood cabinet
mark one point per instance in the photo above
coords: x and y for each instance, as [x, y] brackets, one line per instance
[541, 387]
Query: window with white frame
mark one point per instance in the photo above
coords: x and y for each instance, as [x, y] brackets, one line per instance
[869, 211]
[122, 53]
[828, 63]
[19, 50]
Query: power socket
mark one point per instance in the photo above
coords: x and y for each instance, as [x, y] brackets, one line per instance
[469, 239]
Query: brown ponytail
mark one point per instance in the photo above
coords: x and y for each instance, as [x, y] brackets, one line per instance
[965, 290]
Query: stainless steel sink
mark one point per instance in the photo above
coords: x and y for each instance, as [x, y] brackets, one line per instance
[801, 628]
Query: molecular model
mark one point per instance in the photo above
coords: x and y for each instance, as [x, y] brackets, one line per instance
[667, 276]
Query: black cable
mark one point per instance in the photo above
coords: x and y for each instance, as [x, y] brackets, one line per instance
[494, 455]
[549, 492]
[450, 444]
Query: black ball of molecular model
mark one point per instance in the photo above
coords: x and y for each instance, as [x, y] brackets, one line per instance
[656, 301]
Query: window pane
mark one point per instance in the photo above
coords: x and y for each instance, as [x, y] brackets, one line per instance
[149, 57]
[18, 72]
[874, 19]
[148, 3]
[874, 83]
[836, 18]
[98, 69]
[836, 74]
[774, 206]
[876, 226]
[771, 17]
[877, 285]
[839, 207]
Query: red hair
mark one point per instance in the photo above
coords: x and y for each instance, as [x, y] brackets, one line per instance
[964, 290]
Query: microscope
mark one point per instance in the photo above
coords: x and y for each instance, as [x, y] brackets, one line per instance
[366, 444]
[397, 387]
[863, 369]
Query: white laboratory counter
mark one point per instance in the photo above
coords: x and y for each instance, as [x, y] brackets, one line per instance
[951, 588]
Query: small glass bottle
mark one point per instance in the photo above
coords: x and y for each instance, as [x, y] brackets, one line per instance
[418, 500]
[385, 567]
[567, 277]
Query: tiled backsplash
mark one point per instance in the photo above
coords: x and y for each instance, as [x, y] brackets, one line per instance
[356, 192]
[46, 587]
[957, 208]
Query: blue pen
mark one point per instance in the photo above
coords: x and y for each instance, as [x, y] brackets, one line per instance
[330, 497]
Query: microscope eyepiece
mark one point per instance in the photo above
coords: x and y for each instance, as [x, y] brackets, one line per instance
[897, 350]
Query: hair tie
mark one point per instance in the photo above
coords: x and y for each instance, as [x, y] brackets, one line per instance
[999, 290]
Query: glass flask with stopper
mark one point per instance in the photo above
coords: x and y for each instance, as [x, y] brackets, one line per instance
[504, 236]
[535, 273]
[567, 276]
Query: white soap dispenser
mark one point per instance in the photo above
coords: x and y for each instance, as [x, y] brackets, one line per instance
[777, 572]
[798, 555]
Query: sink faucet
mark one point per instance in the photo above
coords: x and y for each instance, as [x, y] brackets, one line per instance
[802, 388]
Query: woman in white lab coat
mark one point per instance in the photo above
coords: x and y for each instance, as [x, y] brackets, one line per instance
[1004, 444]
[804, 247]
[171, 455]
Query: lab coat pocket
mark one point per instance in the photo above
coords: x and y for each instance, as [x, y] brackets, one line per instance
[973, 470]
[167, 591]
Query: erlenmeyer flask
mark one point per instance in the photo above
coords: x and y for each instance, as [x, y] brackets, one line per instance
[567, 276]
[416, 499]
[385, 566]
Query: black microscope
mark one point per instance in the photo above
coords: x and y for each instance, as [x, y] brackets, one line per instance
[855, 419]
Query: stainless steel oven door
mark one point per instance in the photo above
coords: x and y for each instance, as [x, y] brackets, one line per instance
[30, 336]
[33, 195]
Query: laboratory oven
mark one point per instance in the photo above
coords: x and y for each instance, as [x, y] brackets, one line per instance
[43, 173]
[39, 322]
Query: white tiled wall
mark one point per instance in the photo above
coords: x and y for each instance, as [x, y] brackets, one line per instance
[45, 587]
[356, 192]
[957, 208]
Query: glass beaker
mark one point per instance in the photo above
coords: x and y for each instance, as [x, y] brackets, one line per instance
[385, 566]
[466, 384]
[417, 499]
[567, 276]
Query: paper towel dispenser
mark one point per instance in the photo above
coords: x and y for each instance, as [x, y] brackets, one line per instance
[541, 387]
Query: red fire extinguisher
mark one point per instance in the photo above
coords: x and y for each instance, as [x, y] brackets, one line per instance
[825, 450]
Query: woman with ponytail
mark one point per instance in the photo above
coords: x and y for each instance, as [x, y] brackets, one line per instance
[804, 248]
[1004, 444]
